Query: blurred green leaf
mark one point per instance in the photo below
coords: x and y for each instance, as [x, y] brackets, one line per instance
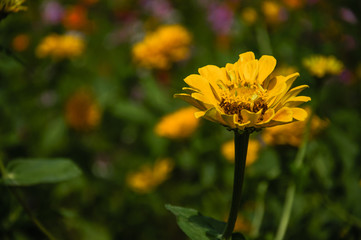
[195, 225]
[26, 172]
[155, 95]
[199, 227]
[54, 136]
[132, 112]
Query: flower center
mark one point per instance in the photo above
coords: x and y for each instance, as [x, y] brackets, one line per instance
[250, 98]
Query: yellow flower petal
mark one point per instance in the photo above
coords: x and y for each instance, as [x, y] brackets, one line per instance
[250, 71]
[296, 101]
[266, 66]
[284, 115]
[202, 84]
[246, 57]
[299, 114]
[186, 97]
[250, 116]
[229, 120]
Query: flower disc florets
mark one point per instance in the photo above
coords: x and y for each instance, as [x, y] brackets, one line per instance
[244, 95]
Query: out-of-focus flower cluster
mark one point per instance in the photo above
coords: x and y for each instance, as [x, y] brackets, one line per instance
[149, 177]
[61, 46]
[320, 65]
[180, 124]
[254, 147]
[161, 48]
[292, 134]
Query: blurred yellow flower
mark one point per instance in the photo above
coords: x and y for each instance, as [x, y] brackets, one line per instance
[60, 46]
[180, 124]
[8, 6]
[319, 65]
[244, 96]
[168, 44]
[292, 134]
[148, 178]
[82, 112]
[252, 152]
[20, 42]
[242, 225]
[271, 11]
[249, 15]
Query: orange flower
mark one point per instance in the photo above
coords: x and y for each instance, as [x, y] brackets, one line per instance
[75, 18]
[82, 111]
[21, 42]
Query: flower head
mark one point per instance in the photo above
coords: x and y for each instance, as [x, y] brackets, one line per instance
[320, 65]
[161, 48]
[10, 6]
[180, 124]
[244, 95]
[252, 152]
[249, 15]
[82, 111]
[148, 177]
[60, 46]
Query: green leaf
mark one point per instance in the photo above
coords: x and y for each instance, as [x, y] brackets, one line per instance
[26, 172]
[195, 225]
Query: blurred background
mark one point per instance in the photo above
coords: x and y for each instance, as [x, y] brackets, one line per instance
[94, 80]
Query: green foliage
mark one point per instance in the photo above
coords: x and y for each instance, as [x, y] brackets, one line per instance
[37, 138]
[27, 172]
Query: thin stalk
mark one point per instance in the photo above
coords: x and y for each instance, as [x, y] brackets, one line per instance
[240, 149]
[25, 206]
[259, 212]
[291, 190]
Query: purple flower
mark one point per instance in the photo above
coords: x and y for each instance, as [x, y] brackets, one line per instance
[220, 16]
[52, 12]
[161, 9]
[347, 15]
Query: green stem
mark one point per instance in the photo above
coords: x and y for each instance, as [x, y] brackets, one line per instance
[25, 206]
[259, 212]
[291, 190]
[240, 149]
[287, 209]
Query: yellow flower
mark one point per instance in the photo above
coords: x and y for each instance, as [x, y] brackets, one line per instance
[252, 152]
[244, 96]
[271, 11]
[8, 6]
[148, 178]
[82, 111]
[180, 124]
[249, 15]
[319, 65]
[159, 49]
[60, 46]
[292, 134]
